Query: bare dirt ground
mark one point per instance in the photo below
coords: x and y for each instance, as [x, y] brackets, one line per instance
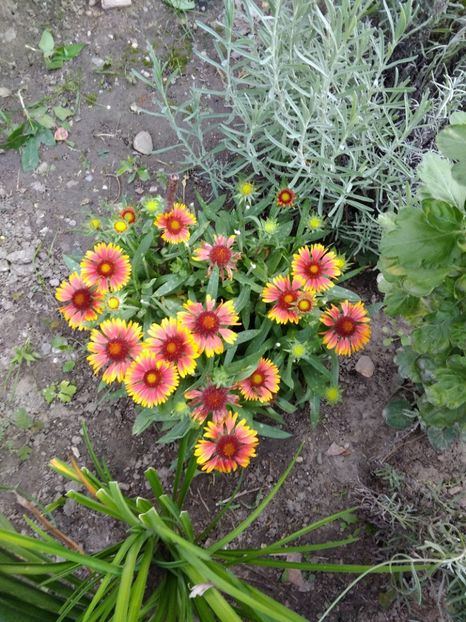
[41, 218]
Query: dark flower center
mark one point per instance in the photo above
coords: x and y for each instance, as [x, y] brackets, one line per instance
[220, 255]
[287, 298]
[314, 269]
[227, 446]
[117, 349]
[304, 305]
[151, 378]
[173, 225]
[207, 323]
[82, 298]
[106, 268]
[345, 326]
[257, 379]
[214, 398]
[173, 348]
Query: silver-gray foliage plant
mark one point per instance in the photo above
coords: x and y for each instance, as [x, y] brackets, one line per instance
[313, 98]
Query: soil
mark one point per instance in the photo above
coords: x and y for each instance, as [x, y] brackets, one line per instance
[42, 217]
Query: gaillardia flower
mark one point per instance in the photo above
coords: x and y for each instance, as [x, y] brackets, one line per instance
[316, 266]
[120, 226]
[349, 329]
[106, 267]
[246, 189]
[209, 324]
[129, 214]
[226, 445]
[170, 341]
[211, 399]
[285, 294]
[262, 384]
[218, 254]
[82, 304]
[114, 345]
[150, 381]
[286, 197]
[175, 224]
[305, 303]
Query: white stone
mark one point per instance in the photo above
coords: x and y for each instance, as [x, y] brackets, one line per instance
[365, 366]
[113, 4]
[143, 143]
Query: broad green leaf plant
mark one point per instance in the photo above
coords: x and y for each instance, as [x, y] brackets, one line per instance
[162, 570]
[423, 266]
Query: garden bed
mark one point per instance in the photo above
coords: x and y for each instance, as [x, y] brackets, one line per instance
[42, 214]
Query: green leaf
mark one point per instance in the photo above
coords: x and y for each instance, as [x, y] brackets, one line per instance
[71, 50]
[181, 5]
[406, 359]
[452, 142]
[30, 155]
[341, 293]
[71, 263]
[269, 431]
[178, 431]
[399, 302]
[212, 285]
[424, 238]
[450, 388]
[17, 138]
[442, 438]
[68, 366]
[46, 43]
[62, 113]
[142, 250]
[24, 452]
[439, 184]
[49, 393]
[22, 419]
[398, 414]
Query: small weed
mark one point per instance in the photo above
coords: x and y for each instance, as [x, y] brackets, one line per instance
[64, 392]
[56, 57]
[131, 167]
[24, 354]
[40, 119]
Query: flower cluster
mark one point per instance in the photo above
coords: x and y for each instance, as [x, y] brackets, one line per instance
[214, 321]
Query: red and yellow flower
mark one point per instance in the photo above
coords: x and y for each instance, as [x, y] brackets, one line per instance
[285, 293]
[208, 324]
[170, 341]
[349, 329]
[226, 445]
[286, 197]
[175, 224]
[106, 267]
[129, 214]
[219, 254]
[305, 303]
[82, 303]
[150, 381]
[316, 266]
[114, 345]
[210, 400]
[262, 384]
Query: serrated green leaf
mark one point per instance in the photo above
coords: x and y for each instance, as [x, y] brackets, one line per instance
[450, 387]
[22, 419]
